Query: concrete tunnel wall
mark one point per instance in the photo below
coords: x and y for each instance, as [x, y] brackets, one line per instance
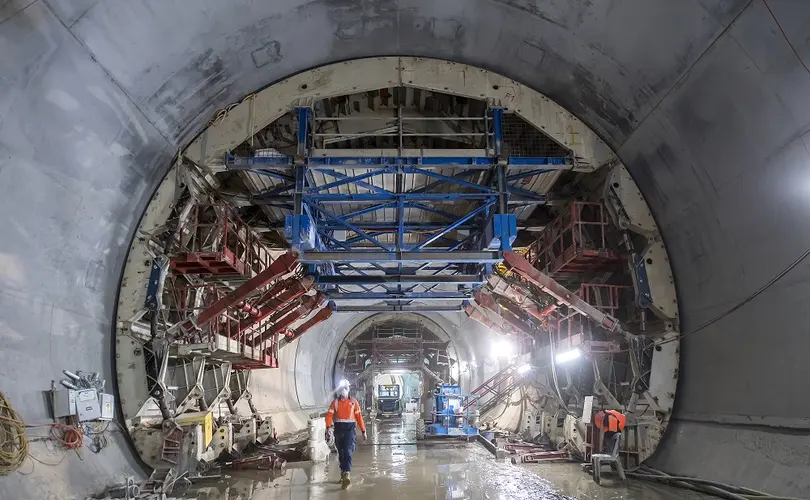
[705, 101]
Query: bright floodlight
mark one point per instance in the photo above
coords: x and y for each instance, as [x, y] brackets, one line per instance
[523, 369]
[343, 383]
[567, 356]
[503, 348]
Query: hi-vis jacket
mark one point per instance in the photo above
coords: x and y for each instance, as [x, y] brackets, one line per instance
[346, 410]
[610, 421]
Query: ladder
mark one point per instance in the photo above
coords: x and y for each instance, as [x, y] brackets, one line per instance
[499, 387]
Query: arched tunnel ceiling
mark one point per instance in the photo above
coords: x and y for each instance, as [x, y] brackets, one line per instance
[705, 102]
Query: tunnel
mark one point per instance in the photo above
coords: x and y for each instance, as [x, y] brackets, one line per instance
[703, 102]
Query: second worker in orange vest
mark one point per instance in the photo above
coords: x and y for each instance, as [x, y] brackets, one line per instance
[345, 413]
[611, 422]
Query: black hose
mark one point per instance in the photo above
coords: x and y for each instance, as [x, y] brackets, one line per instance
[704, 485]
[689, 485]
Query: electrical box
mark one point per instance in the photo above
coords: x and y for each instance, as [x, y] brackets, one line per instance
[64, 403]
[107, 407]
[87, 405]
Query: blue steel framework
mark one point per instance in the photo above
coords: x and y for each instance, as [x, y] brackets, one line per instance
[364, 260]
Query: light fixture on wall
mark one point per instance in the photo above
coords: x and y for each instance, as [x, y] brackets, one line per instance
[503, 348]
[567, 356]
[524, 368]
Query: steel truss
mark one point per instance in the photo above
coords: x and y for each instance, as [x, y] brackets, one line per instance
[396, 348]
[461, 200]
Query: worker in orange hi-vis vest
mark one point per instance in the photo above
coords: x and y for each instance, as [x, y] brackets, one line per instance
[343, 416]
[611, 422]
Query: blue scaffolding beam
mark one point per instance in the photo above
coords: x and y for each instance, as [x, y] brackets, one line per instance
[400, 257]
[458, 214]
[421, 296]
[376, 279]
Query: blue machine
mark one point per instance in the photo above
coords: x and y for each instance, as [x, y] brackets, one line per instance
[452, 413]
[388, 400]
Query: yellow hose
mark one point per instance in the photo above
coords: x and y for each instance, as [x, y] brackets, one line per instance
[13, 439]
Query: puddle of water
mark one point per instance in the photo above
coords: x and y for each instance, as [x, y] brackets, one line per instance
[390, 467]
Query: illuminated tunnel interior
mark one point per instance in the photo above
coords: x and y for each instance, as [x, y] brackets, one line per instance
[226, 208]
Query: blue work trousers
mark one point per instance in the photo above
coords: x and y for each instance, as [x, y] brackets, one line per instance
[345, 441]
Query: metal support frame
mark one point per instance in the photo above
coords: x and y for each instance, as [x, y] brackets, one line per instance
[279, 267]
[157, 277]
[327, 234]
[525, 269]
[398, 296]
[399, 309]
[455, 279]
[577, 241]
[399, 257]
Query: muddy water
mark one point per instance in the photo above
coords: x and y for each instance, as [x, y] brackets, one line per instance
[393, 466]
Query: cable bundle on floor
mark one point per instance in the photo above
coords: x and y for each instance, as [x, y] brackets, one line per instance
[721, 490]
[13, 439]
[67, 435]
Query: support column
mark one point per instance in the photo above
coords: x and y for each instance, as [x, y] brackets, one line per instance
[300, 227]
[503, 227]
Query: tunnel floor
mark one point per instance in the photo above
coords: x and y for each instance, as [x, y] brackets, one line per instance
[391, 465]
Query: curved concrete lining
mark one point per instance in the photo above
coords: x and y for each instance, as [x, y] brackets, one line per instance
[705, 102]
[303, 383]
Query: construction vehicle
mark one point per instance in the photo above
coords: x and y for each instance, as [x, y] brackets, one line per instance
[389, 401]
[453, 414]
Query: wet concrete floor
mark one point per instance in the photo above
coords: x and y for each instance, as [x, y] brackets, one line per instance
[391, 465]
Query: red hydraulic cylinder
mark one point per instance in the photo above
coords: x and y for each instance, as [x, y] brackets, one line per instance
[308, 304]
[524, 268]
[479, 316]
[294, 289]
[514, 310]
[248, 309]
[504, 307]
[520, 296]
[275, 290]
[279, 267]
[486, 300]
[274, 318]
[318, 317]
[265, 296]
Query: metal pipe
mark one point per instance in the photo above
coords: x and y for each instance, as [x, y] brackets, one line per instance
[405, 257]
[386, 134]
[338, 297]
[464, 279]
[398, 309]
[405, 118]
